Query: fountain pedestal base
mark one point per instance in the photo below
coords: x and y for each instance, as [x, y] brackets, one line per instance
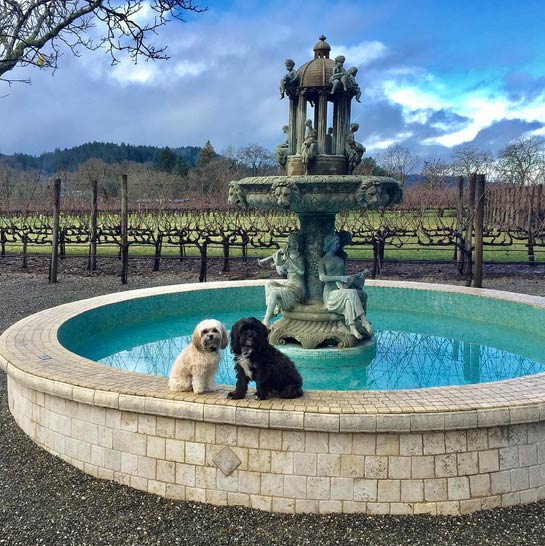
[311, 325]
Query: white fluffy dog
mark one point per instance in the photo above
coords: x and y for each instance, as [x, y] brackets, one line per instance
[196, 366]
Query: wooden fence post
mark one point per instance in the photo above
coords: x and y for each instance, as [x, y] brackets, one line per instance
[124, 230]
[54, 262]
[93, 227]
[459, 248]
[479, 228]
[468, 251]
[531, 203]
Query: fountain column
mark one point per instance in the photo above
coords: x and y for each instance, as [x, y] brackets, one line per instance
[314, 228]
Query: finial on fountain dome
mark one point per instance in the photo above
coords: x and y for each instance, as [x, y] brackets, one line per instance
[322, 49]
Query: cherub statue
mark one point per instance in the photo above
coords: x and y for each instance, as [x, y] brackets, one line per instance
[308, 148]
[338, 73]
[349, 82]
[290, 79]
[291, 263]
[352, 149]
[281, 151]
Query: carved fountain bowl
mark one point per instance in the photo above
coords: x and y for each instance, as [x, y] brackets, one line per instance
[328, 194]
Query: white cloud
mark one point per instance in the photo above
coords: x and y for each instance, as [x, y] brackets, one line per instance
[362, 53]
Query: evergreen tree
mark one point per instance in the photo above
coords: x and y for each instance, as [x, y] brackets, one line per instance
[206, 154]
[166, 161]
[181, 168]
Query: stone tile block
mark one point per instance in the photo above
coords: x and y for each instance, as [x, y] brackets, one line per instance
[489, 461]
[352, 466]
[399, 467]
[500, 482]
[458, 488]
[342, 488]
[376, 467]
[305, 464]
[272, 485]
[410, 444]
[446, 465]
[194, 453]
[365, 490]
[423, 467]
[479, 485]
[295, 487]
[328, 465]
[293, 441]
[389, 491]
[227, 461]
[435, 490]
[318, 488]
[329, 507]
[316, 442]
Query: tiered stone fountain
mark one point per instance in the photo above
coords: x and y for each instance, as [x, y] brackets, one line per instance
[320, 305]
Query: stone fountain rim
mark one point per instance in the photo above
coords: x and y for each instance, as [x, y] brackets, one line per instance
[31, 353]
[308, 179]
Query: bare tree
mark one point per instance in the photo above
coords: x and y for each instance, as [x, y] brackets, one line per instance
[256, 159]
[469, 159]
[33, 31]
[436, 173]
[398, 162]
[523, 161]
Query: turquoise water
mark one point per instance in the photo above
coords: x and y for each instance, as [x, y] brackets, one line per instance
[413, 350]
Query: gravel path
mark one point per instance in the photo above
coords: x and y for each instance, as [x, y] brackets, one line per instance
[45, 501]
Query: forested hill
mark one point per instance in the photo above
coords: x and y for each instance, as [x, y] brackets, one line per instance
[72, 158]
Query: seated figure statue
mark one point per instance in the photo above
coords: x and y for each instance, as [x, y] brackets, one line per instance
[343, 294]
[281, 151]
[353, 150]
[291, 263]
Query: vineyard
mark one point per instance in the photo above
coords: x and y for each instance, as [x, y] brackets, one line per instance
[514, 230]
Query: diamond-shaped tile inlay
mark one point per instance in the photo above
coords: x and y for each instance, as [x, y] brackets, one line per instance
[227, 461]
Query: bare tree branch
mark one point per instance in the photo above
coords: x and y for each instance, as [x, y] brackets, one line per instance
[31, 30]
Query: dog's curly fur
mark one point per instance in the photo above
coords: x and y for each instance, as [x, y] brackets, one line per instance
[257, 360]
[196, 366]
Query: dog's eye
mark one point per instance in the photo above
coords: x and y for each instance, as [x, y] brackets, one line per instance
[214, 330]
[205, 331]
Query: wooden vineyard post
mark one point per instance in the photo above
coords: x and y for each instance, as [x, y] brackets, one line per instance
[468, 250]
[54, 262]
[124, 230]
[479, 228]
[93, 227]
[531, 204]
[459, 251]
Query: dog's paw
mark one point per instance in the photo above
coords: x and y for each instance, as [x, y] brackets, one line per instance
[234, 395]
[260, 396]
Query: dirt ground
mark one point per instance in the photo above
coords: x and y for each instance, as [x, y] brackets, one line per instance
[523, 278]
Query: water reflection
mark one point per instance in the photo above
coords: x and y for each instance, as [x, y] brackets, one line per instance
[403, 360]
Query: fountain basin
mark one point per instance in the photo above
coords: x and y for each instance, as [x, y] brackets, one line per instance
[443, 450]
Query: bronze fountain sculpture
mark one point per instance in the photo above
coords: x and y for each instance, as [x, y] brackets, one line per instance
[319, 303]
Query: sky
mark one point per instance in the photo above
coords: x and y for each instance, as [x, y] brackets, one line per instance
[434, 74]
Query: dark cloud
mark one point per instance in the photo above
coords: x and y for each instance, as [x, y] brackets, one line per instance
[499, 134]
[447, 118]
[523, 86]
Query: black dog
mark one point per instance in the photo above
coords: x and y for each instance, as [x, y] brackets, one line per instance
[257, 360]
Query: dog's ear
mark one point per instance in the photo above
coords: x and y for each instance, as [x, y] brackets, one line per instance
[196, 339]
[235, 335]
[260, 328]
[224, 335]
